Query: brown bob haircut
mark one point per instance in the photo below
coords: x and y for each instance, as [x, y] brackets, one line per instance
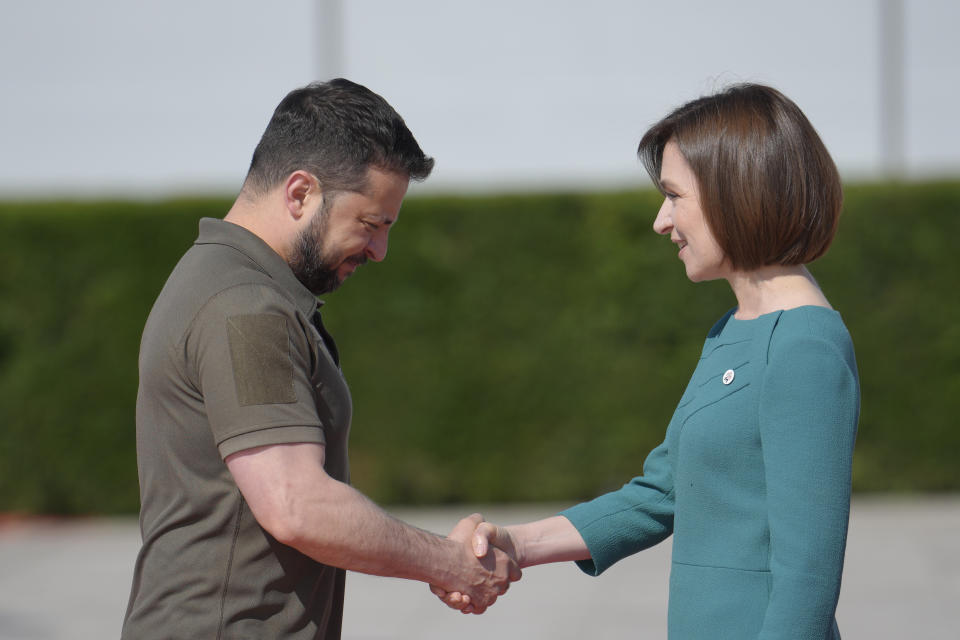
[768, 188]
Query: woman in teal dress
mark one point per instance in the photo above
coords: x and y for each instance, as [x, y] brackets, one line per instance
[752, 479]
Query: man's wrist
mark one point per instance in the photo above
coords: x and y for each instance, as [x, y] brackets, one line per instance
[445, 561]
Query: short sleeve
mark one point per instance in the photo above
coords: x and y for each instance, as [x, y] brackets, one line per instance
[251, 355]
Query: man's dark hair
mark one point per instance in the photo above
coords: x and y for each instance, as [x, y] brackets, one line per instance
[336, 130]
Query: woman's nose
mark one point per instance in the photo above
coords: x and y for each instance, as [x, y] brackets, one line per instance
[663, 224]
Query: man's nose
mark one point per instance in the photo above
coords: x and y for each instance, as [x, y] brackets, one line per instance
[377, 247]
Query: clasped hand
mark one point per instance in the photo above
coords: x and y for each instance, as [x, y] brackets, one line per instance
[495, 549]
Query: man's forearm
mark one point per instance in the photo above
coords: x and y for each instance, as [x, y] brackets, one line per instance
[341, 527]
[294, 499]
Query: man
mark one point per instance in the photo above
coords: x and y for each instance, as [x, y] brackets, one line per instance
[247, 518]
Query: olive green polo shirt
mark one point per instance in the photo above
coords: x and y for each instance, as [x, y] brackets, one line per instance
[233, 356]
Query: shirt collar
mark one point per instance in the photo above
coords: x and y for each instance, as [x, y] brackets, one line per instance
[214, 231]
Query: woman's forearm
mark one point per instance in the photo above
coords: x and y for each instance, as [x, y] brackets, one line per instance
[550, 540]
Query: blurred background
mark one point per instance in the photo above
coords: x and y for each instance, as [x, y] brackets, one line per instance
[529, 335]
[109, 97]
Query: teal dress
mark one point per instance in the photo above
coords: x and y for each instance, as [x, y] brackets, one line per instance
[752, 480]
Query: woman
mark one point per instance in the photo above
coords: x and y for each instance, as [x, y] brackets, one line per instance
[753, 477]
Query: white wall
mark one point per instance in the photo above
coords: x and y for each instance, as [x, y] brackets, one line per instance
[153, 98]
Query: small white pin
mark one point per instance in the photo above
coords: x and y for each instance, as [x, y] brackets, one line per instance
[728, 376]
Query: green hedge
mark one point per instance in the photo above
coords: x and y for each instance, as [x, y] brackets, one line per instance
[512, 348]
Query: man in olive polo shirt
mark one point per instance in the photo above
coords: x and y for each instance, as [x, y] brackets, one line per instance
[247, 517]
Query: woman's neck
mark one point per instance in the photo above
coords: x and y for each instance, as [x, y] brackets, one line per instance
[774, 288]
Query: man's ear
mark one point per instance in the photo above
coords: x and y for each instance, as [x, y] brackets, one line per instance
[300, 191]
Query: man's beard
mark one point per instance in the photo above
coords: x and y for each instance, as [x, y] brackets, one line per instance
[306, 260]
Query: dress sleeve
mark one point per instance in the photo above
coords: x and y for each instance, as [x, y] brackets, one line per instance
[633, 518]
[809, 408]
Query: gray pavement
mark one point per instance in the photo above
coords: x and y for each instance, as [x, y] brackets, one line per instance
[69, 580]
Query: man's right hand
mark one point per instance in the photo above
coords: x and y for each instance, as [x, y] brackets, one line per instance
[493, 549]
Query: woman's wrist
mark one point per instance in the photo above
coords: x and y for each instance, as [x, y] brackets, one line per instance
[550, 540]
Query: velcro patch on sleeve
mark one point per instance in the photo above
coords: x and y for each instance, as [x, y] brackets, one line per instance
[260, 352]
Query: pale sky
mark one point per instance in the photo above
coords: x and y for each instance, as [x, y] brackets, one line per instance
[160, 98]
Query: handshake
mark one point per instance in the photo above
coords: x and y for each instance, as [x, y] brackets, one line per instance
[491, 558]
[492, 561]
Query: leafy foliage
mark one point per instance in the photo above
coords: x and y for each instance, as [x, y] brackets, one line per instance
[511, 348]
